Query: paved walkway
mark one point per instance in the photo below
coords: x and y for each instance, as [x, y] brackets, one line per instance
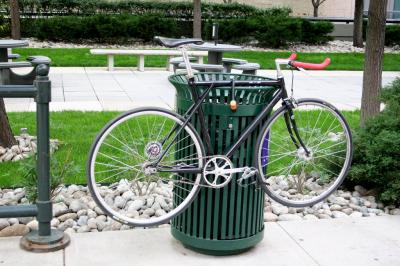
[95, 89]
[345, 241]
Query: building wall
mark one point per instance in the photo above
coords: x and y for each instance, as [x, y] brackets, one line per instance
[330, 8]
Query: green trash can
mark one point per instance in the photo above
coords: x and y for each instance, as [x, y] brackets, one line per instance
[228, 220]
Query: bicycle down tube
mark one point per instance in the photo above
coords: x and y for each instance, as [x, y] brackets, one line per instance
[196, 107]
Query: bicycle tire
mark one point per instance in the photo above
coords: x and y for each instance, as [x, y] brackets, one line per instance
[261, 168]
[94, 186]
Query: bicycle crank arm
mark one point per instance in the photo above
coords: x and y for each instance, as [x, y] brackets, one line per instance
[227, 171]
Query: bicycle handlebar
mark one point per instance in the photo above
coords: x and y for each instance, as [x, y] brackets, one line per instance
[311, 66]
[292, 57]
[302, 65]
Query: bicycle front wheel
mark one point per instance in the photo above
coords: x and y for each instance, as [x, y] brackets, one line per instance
[124, 178]
[298, 177]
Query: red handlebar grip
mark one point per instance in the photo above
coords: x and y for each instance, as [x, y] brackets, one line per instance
[292, 56]
[312, 66]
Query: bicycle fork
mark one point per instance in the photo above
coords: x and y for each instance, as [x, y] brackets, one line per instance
[292, 127]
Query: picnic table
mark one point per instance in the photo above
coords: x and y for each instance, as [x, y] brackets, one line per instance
[7, 76]
[216, 51]
[4, 56]
[5, 44]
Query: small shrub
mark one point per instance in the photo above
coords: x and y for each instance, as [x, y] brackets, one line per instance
[392, 35]
[277, 31]
[4, 26]
[316, 32]
[102, 28]
[376, 162]
[273, 28]
[271, 31]
[231, 31]
[60, 170]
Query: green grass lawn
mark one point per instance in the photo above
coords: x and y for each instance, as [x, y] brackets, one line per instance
[76, 130]
[81, 57]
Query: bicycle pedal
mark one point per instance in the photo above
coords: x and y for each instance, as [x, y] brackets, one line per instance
[240, 181]
[249, 172]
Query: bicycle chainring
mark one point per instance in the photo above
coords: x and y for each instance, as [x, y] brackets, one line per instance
[214, 172]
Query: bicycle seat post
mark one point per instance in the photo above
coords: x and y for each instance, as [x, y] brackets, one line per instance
[185, 56]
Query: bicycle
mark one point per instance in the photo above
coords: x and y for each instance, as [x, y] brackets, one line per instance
[147, 165]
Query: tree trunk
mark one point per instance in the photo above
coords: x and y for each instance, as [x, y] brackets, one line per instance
[372, 79]
[197, 18]
[6, 136]
[315, 11]
[358, 24]
[15, 20]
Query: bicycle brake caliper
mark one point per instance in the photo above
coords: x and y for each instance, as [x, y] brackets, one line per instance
[291, 102]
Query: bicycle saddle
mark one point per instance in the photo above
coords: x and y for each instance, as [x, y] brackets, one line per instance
[169, 42]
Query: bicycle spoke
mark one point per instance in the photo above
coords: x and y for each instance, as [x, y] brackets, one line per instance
[109, 177]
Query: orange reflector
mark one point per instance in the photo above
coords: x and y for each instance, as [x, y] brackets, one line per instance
[233, 105]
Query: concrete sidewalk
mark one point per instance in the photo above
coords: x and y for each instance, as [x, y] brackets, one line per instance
[344, 241]
[96, 89]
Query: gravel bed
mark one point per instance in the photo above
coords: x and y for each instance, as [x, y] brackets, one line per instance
[26, 147]
[359, 203]
[75, 211]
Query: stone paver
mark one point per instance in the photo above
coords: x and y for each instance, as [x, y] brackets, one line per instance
[158, 247]
[334, 242]
[362, 241]
[96, 89]
[12, 255]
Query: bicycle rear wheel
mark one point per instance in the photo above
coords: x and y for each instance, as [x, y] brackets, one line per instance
[123, 178]
[287, 173]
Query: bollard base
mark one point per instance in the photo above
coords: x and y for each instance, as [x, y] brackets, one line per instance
[35, 243]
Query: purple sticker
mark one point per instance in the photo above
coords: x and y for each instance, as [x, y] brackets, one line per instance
[265, 151]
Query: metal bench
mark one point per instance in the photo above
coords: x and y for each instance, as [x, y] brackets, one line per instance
[248, 68]
[204, 67]
[142, 53]
[229, 62]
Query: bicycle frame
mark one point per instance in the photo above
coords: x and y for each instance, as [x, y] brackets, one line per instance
[281, 94]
